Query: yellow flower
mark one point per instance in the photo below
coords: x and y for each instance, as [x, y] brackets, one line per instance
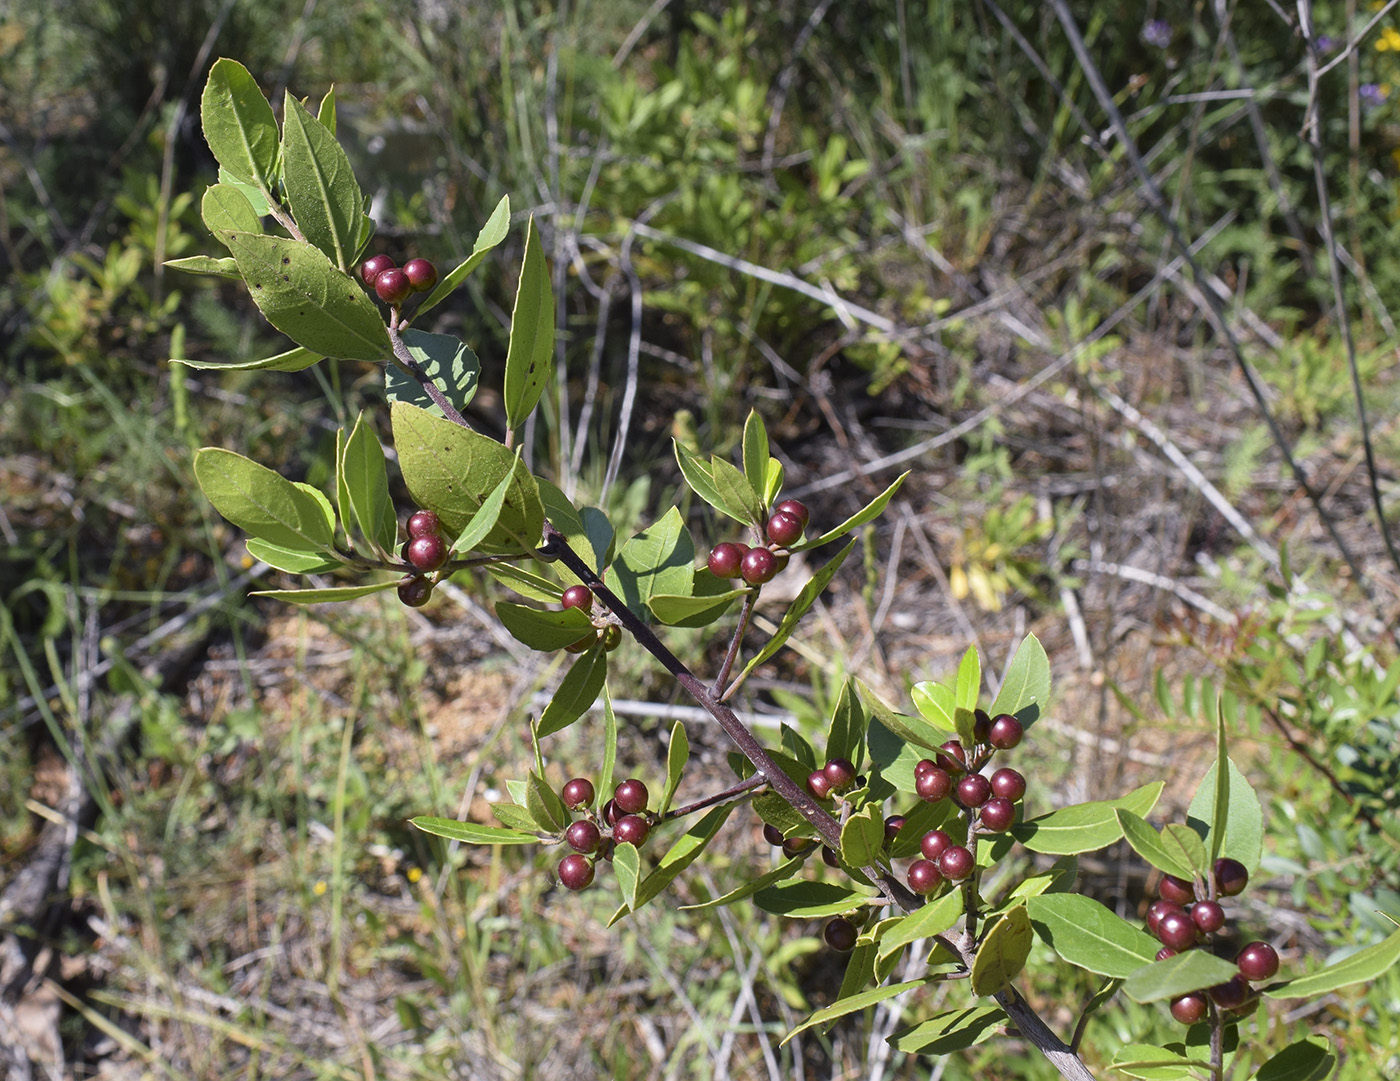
[320, 888]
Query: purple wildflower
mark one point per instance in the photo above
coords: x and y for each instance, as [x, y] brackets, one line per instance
[1324, 44]
[1371, 95]
[1158, 33]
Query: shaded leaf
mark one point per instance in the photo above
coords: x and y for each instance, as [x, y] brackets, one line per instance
[677, 755]
[1306, 1060]
[1148, 844]
[1003, 952]
[751, 886]
[577, 693]
[1242, 837]
[366, 482]
[659, 559]
[545, 631]
[326, 596]
[530, 352]
[811, 899]
[863, 836]
[225, 209]
[952, 1031]
[447, 361]
[1158, 981]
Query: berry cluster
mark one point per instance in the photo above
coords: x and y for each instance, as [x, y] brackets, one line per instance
[610, 634]
[623, 819]
[394, 284]
[757, 565]
[425, 551]
[1181, 921]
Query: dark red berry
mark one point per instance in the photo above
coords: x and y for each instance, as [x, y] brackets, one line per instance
[584, 644]
[422, 522]
[796, 508]
[933, 784]
[1176, 890]
[840, 772]
[997, 814]
[583, 836]
[1231, 877]
[956, 863]
[1177, 930]
[631, 829]
[952, 757]
[427, 553]
[611, 813]
[840, 934]
[578, 793]
[1208, 916]
[1008, 784]
[934, 843]
[1157, 910]
[893, 825]
[783, 529]
[973, 790]
[758, 565]
[422, 275]
[725, 559]
[818, 785]
[416, 592]
[1258, 961]
[578, 597]
[392, 286]
[1188, 1009]
[1231, 994]
[830, 858]
[1165, 952]
[924, 877]
[922, 766]
[981, 726]
[772, 834]
[372, 267]
[575, 871]
[1006, 732]
[631, 796]
[793, 845]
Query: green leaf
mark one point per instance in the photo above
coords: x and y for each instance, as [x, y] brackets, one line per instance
[863, 836]
[1307, 1060]
[846, 736]
[262, 502]
[912, 729]
[934, 918]
[865, 514]
[677, 755]
[1243, 835]
[1084, 827]
[679, 856]
[627, 865]
[1003, 952]
[952, 1031]
[204, 264]
[545, 631]
[969, 680]
[936, 704]
[492, 233]
[473, 833]
[756, 456]
[447, 362]
[523, 580]
[343, 508]
[515, 817]
[367, 486]
[291, 560]
[325, 115]
[807, 900]
[735, 490]
[238, 124]
[326, 596]
[1174, 977]
[751, 886]
[1359, 967]
[1148, 844]
[773, 482]
[1186, 847]
[605, 775]
[693, 610]
[453, 470]
[293, 360]
[322, 191]
[1085, 933]
[924, 816]
[1148, 1063]
[303, 295]
[806, 597]
[561, 513]
[1026, 687]
[545, 806]
[577, 693]
[699, 474]
[530, 353]
[1058, 878]
[255, 195]
[485, 519]
[225, 209]
[865, 999]
[660, 559]
[601, 536]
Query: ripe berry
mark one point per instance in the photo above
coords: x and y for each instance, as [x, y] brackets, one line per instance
[1208, 916]
[578, 597]
[793, 845]
[924, 877]
[1258, 961]
[1008, 784]
[1006, 732]
[772, 834]
[631, 829]
[840, 772]
[796, 508]
[1230, 877]
[956, 863]
[1176, 930]
[1165, 952]
[922, 766]
[952, 757]
[631, 796]
[1177, 890]
[575, 871]
[1231, 994]
[933, 784]
[1157, 910]
[583, 836]
[997, 814]
[416, 592]
[830, 858]
[427, 553]
[725, 558]
[578, 793]
[422, 522]
[783, 529]
[422, 275]
[818, 785]
[840, 934]
[1188, 1009]
[893, 825]
[934, 843]
[392, 286]
[611, 813]
[973, 790]
[758, 565]
[372, 267]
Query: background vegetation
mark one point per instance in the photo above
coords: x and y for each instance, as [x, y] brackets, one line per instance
[911, 234]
